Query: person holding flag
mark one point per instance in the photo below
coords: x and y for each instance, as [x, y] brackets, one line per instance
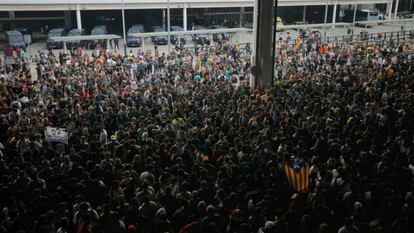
[297, 173]
[298, 43]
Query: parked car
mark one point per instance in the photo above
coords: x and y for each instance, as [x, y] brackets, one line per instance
[134, 41]
[15, 39]
[55, 32]
[220, 37]
[76, 43]
[159, 40]
[200, 38]
[99, 30]
[174, 39]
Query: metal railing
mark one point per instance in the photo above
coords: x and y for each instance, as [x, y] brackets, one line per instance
[397, 36]
[245, 48]
[65, 39]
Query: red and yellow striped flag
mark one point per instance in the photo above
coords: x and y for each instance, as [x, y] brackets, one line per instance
[298, 43]
[298, 176]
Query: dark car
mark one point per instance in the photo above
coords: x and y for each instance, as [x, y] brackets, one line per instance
[15, 39]
[174, 39]
[134, 41]
[24, 31]
[220, 37]
[55, 32]
[200, 38]
[76, 43]
[99, 30]
[159, 40]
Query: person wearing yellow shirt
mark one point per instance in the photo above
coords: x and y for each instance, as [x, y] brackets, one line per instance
[334, 44]
[380, 75]
[238, 49]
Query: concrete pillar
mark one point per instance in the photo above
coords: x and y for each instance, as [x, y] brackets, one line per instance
[354, 17]
[185, 17]
[164, 19]
[252, 79]
[304, 15]
[396, 9]
[68, 18]
[334, 14]
[78, 17]
[12, 15]
[387, 8]
[12, 22]
[264, 41]
[241, 17]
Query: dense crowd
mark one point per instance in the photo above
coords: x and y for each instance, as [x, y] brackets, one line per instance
[179, 143]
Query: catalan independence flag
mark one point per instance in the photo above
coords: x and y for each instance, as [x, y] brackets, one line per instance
[298, 176]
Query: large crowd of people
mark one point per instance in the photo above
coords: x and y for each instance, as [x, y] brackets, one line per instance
[179, 142]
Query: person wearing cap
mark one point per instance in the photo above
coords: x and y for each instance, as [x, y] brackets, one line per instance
[113, 144]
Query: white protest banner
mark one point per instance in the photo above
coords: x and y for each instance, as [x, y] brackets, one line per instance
[56, 135]
[9, 60]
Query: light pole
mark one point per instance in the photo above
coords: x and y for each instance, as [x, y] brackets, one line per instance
[353, 20]
[390, 10]
[123, 27]
[396, 9]
[169, 26]
[326, 18]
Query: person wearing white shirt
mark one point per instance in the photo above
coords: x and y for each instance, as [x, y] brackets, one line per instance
[103, 136]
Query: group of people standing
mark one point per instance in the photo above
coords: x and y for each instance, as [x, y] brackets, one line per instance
[178, 142]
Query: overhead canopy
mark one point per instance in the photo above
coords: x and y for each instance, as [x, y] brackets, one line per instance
[44, 5]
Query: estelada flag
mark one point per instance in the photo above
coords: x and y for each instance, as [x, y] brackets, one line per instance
[298, 43]
[298, 176]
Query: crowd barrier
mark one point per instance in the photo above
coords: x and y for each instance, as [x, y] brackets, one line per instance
[396, 36]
